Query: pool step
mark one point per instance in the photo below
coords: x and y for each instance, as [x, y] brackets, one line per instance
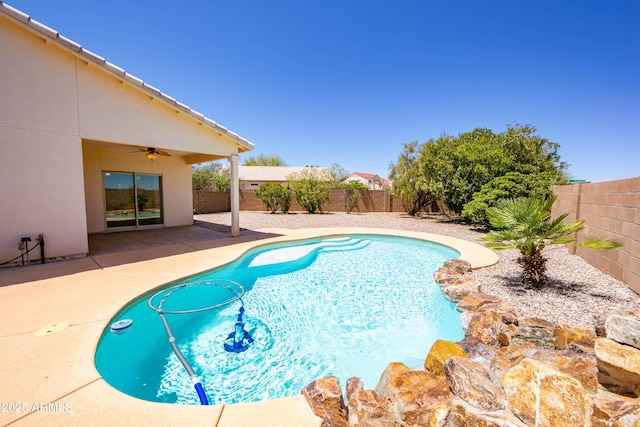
[293, 253]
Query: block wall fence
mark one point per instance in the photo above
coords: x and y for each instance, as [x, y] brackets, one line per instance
[370, 201]
[612, 210]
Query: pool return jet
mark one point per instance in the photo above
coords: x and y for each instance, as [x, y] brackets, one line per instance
[238, 341]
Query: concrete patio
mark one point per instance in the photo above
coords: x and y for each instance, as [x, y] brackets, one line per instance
[52, 316]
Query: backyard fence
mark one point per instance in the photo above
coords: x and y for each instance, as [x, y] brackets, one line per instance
[369, 201]
[611, 210]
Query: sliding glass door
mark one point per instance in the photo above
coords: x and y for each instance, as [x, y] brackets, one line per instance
[132, 200]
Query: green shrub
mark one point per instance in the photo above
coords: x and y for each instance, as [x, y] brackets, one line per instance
[510, 186]
[275, 196]
[311, 187]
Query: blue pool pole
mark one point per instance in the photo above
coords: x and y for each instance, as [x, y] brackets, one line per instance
[196, 381]
[201, 394]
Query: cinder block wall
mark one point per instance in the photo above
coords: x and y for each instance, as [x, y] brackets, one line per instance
[370, 201]
[612, 210]
[211, 201]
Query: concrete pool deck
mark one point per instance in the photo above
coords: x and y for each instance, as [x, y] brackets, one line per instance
[52, 316]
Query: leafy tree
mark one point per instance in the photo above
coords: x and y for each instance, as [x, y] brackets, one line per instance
[211, 176]
[339, 174]
[456, 168]
[410, 182]
[525, 224]
[264, 160]
[311, 187]
[275, 196]
[511, 185]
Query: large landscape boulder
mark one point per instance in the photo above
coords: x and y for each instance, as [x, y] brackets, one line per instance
[489, 328]
[475, 300]
[414, 398]
[618, 366]
[366, 410]
[541, 396]
[534, 331]
[440, 352]
[463, 414]
[612, 410]
[470, 381]
[566, 334]
[624, 329]
[461, 288]
[324, 396]
[495, 362]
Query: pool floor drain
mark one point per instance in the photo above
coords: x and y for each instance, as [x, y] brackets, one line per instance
[51, 329]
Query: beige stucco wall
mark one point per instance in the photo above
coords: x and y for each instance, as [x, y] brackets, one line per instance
[41, 187]
[64, 120]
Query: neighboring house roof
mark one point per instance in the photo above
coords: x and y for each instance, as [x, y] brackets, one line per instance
[366, 175]
[267, 173]
[369, 178]
[76, 49]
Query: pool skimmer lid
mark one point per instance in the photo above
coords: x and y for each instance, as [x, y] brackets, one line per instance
[51, 329]
[121, 325]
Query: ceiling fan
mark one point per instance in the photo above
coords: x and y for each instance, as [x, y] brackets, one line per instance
[152, 153]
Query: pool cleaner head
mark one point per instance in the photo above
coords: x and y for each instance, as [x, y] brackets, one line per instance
[239, 340]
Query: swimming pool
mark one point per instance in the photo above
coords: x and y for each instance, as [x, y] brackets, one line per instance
[337, 306]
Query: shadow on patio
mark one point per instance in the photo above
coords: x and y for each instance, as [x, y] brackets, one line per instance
[113, 249]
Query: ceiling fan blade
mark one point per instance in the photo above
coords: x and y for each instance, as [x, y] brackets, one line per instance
[162, 153]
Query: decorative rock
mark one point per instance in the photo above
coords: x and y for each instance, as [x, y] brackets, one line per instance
[600, 320]
[494, 362]
[458, 264]
[447, 275]
[580, 366]
[489, 329]
[613, 410]
[365, 410]
[475, 300]
[354, 385]
[541, 396]
[507, 311]
[464, 415]
[618, 366]
[623, 329]
[470, 381]
[535, 331]
[324, 396]
[585, 346]
[566, 334]
[440, 352]
[458, 292]
[414, 398]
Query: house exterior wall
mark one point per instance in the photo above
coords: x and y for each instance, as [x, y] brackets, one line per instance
[612, 210]
[111, 111]
[41, 176]
[63, 121]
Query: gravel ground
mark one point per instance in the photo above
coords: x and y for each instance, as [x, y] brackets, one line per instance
[577, 292]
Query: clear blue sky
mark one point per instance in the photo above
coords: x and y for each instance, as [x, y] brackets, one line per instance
[350, 81]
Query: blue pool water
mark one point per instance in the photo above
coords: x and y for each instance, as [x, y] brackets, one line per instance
[337, 306]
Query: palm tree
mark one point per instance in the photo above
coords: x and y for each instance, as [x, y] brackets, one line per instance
[525, 224]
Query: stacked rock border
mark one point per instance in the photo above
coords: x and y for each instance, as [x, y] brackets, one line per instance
[508, 371]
